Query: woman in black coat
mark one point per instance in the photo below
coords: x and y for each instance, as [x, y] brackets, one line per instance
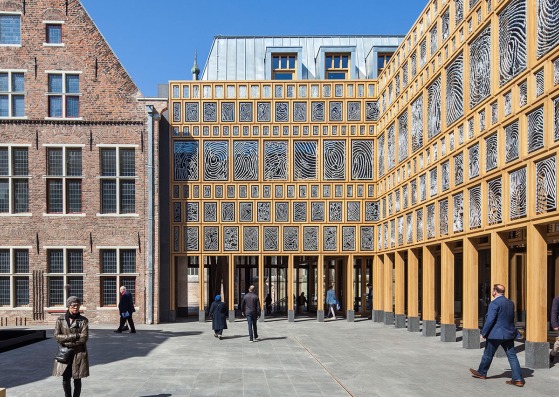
[218, 313]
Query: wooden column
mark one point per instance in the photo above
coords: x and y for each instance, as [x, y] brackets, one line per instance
[399, 290]
[447, 283]
[378, 282]
[261, 287]
[428, 284]
[350, 296]
[201, 289]
[173, 285]
[388, 281]
[290, 280]
[231, 281]
[499, 260]
[320, 291]
[413, 283]
[470, 295]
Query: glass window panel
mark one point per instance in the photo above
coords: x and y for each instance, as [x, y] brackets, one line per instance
[21, 261]
[76, 287]
[54, 34]
[55, 106]
[108, 197]
[4, 162]
[127, 261]
[4, 195]
[108, 162]
[336, 75]
[54, 202]
[108, 260]
[72, 84]
[75, 261]
[127, 163]
[55, 83]
[283, 76]
[10, 29]
[4, 291]
[130, 284]
[127, 197]
[74, 196]
[73, 162]
[54, 162]
[56, 291]
[109, 291]
[56, 261]
[4, 106]
[18, 82]
[20, 160]
[292, 62]
[5, 261]
[22, 291]
[4, 79]
[275, 62]
[18, 105]
[345, 60]
[21, 195]
[72, 106]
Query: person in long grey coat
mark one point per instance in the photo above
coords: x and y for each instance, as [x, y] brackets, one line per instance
[218, 313]
[72, 330]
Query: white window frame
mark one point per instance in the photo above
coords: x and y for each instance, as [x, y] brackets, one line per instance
[18, 14]
[65, 275]
[63, 94]
[46, 44]
[10, 93]
[64, 179]
[118, 179]
[118, 275]
[13, 275]
[11, 178]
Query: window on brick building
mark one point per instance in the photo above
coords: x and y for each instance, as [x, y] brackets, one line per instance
[63, 94]
[118, 180]
[53, 33]
[64, 180]
[12, 93]
[14, 277]
[14, 180]
[118, 267]
[65, 275]
[10, 29]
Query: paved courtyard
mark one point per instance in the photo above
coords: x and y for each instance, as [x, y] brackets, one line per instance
[304, 358]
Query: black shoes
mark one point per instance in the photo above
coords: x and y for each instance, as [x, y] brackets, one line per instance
[118, 331]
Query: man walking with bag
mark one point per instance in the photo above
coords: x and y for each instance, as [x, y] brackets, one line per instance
[499, 330]
[126, 308]
[251, 308]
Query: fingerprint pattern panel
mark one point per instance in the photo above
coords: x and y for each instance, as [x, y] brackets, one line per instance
[186, 160]
[417, 124]
[458, 11]
[546, 185]
[336, 111]
[210, 212]
[353, 211]
[354, 111]
[317, 212]
[191, 238]
[275, 160]
[434, 108]
[459, 169]
[372, 111]
[473, 156]
[271, 236]
[475, 207]
[263, 112]
[431, 221]
[300, 211]
[250, 238]
[419, 224]
[556, 119]
[317, 111]
[227, 111]
[228, 212]
[494, 201]
[455, 90]
[282, 112]
[480, 67]
[380, 156]
[282, 212]
[443, 217]
[348, 238]
[191, 112]
[511, 142]
[264, 212]
[361, 160]
[403, 136]
[330, 238]
[245, 112]
[310, 238]
[512, 40]
[458, 201]
[391, 146]
[367, 233]
[335, 211]
[518, 194]
[334, 159]
[300, 112]
[245, 160]
[231, 238]
[245, 212]
[290, 238]
[210, 112]
[305, 160]
[547, 26]
[535, 130]
[211, 238]
[216, 155]
[445, 176]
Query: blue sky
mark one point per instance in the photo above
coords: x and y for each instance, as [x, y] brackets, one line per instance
[156, 40]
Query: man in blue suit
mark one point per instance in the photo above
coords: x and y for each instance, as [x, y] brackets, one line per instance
[499, 330]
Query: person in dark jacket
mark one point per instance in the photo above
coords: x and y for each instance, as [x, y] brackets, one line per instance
[218, 313]
[126, 308]
[499, 330]
[555, 325]
[72, 330]
[251, 308]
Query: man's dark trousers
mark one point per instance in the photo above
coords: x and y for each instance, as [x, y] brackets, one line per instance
[491, 346]
[252, 320]
[130, 323]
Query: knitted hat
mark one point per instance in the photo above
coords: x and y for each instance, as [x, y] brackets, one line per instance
[217, 298]
[72, 300]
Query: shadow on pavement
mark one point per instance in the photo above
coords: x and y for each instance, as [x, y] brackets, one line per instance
[526, 373]
[158, 395]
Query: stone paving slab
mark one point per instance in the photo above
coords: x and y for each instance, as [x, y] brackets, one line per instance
[305, 358]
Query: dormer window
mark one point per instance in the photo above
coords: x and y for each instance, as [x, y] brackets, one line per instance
[337, 66]
[283, 66]
[383, 59]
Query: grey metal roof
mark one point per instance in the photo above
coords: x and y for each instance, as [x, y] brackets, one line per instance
[249, 58]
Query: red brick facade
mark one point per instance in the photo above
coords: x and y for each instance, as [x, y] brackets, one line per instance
[110, 113]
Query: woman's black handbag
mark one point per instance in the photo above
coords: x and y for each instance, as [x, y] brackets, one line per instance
[64, 355]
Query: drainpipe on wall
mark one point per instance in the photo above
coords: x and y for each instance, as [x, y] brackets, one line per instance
[152, 117]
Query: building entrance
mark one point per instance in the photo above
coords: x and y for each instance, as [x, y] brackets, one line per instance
[305, 289]
[246, 274]
[275, 285]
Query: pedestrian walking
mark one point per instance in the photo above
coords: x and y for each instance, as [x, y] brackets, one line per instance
[251, 308]
[218, 313]
[268, 302]
[499, 330]
[331, 301]
[301, 302]
[72, 331]
[126, 308]
[554, 320]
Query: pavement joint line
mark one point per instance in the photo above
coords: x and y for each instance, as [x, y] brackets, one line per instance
[323, 366]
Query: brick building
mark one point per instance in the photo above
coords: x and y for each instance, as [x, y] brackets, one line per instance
[78, 169]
